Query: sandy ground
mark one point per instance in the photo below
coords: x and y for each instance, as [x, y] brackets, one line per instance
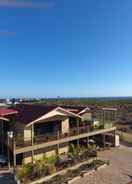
[119, 171]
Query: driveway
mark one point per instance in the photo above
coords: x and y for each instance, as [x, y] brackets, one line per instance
[119, 171]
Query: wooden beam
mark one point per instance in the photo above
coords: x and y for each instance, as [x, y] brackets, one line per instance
[58, 146]
[103, 140]
[87, 142]
[61, 141]
[32, 134]
[78, 126]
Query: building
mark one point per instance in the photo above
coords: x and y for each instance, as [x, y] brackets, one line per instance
[6, 121]
[46, 130]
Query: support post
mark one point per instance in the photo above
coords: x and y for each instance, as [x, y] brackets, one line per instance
[58, 137]
[87, 142]
[78, 126]
[104, 140]
[58, 149]
[32, 141]
[78, 145]
[11, 143]
[114, 138]
[14, 153]
[8, 152]
[32, 129]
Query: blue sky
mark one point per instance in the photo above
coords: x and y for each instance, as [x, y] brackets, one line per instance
[65, 48]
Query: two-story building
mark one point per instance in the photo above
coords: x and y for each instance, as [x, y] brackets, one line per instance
[49, 129]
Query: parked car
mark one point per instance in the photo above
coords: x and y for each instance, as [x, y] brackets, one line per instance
[3, 160]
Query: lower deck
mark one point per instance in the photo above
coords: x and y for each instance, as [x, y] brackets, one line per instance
[16, 155]
[101, 140]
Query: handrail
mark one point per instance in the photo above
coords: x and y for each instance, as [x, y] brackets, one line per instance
[23, 142]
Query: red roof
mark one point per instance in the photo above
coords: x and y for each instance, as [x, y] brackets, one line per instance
[5, 111]
[29, 112]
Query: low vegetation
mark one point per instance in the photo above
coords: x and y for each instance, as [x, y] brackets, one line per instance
[50, 165]
[80, 171]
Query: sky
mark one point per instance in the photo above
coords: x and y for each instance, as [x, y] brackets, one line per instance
[66, 48]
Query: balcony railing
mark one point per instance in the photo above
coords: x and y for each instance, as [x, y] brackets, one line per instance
[49, 137]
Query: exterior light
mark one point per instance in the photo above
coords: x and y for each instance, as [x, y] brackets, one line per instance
[10, 134]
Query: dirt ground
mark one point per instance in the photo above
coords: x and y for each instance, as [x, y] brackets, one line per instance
[119, 171]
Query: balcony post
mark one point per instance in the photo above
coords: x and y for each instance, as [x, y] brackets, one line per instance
[78, 145]
[78, 126]
[14, 153]
[58, 137]
[87, 142]
[103, 140]
[114, 138]
[32, 140]
[32, 134]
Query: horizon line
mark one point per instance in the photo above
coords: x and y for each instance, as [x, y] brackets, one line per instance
[59, 97]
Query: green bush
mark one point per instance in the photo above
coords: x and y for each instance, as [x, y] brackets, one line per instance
[24, 172]
[51, 160]
[73, 151]
[40, 168]
[82, 150]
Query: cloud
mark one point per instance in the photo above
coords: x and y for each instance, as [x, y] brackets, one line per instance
[23, 4]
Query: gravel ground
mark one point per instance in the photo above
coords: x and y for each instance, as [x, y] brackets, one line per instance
[119, 171]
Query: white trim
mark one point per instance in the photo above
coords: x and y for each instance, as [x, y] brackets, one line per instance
[72, 113]
[109, 109]
[5, 119]
[84, 110]
[49, 114]
[9, 113]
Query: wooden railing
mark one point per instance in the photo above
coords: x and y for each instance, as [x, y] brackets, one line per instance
[49, 137]
[23, 142]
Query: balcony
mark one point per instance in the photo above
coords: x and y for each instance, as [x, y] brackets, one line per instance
[58, 138]
[49, 137]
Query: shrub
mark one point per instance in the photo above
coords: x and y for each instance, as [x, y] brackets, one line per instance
[40, 168]
[45, 166]
[51, 169]
[51, 160]
[24, 172]
[73, 151]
